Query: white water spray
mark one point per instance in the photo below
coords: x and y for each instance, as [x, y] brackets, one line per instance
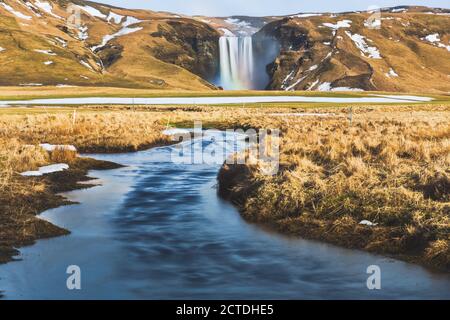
[236, 62]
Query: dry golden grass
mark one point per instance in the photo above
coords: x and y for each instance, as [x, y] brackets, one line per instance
[88, 131]
[21, 198]
[391, 168]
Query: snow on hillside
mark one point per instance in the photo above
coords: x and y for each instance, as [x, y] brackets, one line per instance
[47, 52]
[291, 87]
[46, 7]
[436, 41]
[124, 31]
[93, 12]
[366, 50]
[339, 24]
[87, 65]
[391, 73]
[33, 9]
[14, 12]
[243, 27]
[83, 33]
[326, 86]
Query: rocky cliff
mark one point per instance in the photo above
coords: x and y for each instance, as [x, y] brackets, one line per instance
[409, 51]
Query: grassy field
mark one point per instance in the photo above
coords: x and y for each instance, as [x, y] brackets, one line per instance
[390, 166]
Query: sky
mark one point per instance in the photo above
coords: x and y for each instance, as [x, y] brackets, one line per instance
[263, 7]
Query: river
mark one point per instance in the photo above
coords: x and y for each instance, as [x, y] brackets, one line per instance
[157, 230]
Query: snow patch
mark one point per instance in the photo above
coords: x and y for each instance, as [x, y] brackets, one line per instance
[124, 31]
[287, 79]
[93, 12]
[14, 12]
[244, 27]
[2, 49]
[47, 63]
[52, 147]
[339, 24]
[87, 65]
[47, 52]
[46, 7]
[46, 170]
[83, 33]
[432, 38]
[313, 85]
[61, 41]
[436, 41]
[391, 73]
[366, 50]
[368, 223]
[131, 20]
[326, 86]
[291, 87]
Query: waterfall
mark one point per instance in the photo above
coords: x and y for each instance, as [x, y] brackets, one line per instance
[236, 62]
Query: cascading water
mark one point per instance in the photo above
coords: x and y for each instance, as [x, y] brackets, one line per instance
[236, 62]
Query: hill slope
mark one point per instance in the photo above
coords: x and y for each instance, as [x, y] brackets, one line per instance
[110, 47]
[118, 47]
[410, 52]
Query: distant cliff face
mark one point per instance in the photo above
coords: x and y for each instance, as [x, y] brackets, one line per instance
[409, 52]
[192, 45]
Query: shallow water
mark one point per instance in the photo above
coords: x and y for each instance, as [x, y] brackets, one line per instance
[156, 230]
[214, 100]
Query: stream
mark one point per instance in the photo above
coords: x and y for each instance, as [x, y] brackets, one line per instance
[158, 230]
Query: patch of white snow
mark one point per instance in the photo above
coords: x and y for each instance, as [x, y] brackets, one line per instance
[46, 170]
[47, 52]
[339, 24]
[366, 50]
[52, 147]
[14, 12]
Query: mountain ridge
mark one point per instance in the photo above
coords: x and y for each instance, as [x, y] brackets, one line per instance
[160, 50]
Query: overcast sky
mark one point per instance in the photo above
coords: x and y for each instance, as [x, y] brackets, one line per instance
[263, 7]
